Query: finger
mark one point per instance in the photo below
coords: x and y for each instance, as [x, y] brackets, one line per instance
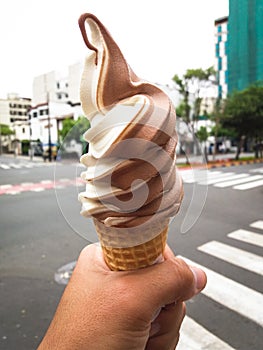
[92, 257]
[168, 253]
[166, 328]
[170, 281]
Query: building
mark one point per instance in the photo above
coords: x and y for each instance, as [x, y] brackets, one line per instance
[221, 47]
[14, 113]
[245, 43]
[55, 98]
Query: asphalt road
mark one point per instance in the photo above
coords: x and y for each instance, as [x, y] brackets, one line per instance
[42, 230]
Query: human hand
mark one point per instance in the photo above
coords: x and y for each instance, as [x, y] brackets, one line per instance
[135, 310]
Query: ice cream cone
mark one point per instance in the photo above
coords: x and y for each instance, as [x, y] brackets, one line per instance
[120, 255]
[132, 185]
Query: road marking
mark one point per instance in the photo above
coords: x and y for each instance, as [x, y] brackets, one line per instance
[247, 237]
[200, 176]
[225, 178]
[40, 186]
[37, 189]
[46, 182]
[65, 180]
[13, 192]
[258, 170]
[14, 165]
[237, 297]
[4, 187]
[4, 166]
[217, 179]
[238, 181]
[234, 256]
[249, 185]
[195, 337]
[257, 224]
[189, 174]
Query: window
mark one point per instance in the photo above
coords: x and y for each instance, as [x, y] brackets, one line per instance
[23, 130]
[219, 63]
[217, 50]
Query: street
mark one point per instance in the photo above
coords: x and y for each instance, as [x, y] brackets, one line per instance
[220, 227]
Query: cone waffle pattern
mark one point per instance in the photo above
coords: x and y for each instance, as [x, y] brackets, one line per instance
[133, 258]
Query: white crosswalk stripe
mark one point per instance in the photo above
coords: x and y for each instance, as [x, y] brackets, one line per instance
[257, 224]
[235, 256]
[211, 181]
[247, 237]
[238, 181]
[10, 166]
[15, 166]
[221, 179]
[4, 166]
[257, 170]
[250, 185]
[195, 337]
[233, 295]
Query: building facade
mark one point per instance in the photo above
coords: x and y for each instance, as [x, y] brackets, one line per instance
[14, 111]
[221, 47]
[55, 98]
[245, 43]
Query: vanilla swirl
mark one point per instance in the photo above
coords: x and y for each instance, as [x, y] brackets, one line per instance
[131, 175]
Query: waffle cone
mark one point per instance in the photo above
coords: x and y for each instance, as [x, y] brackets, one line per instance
[131, 257]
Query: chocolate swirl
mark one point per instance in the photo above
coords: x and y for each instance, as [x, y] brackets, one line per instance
[131, 174]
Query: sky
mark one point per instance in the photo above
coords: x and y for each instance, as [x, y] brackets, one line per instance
[159, 38]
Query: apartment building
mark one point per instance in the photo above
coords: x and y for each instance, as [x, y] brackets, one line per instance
[14, 112]
[55, 98]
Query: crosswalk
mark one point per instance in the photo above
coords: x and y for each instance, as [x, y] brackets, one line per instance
[23, 165]
[240, 299]
[244, 181]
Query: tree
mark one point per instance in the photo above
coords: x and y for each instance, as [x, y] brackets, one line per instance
[5, 130]
[202, 135]
[243, 114]
[193, 81]
[74, 129]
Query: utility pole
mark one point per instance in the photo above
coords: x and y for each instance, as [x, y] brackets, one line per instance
[0, 139]
[49, 132]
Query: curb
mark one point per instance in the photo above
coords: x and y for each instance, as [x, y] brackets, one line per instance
[221, 164]
[234, 163]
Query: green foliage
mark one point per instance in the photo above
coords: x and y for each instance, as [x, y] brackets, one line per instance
[194, 80]
[5, 130]
[202, 134]
[74, 129]
[219, 131]
[181, 109]
[243, 112]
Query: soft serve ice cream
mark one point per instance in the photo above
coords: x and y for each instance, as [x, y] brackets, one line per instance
[132, 184]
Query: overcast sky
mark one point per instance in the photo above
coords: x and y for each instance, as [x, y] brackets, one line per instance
[159, 38]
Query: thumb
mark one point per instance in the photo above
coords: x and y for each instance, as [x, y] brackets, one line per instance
[171, 281]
